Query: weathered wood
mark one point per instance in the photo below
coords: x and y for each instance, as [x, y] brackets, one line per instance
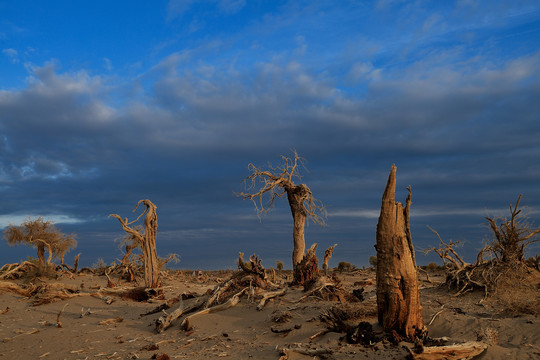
[307, 270]
[398, 299]
[233, 301]
[465, 351]
[147, 241]
[163, 323]
[270, 295]
[327, 255]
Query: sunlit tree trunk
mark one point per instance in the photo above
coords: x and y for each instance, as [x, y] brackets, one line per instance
[41, 254]
[398, 298]
[296, 204]
[147, 241]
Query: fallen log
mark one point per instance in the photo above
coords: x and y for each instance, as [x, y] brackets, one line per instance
[270, 295]
[464, 351]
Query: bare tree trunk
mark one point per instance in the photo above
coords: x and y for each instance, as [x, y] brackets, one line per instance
[327, 255]
[148, 241]
[76, 263]
[41, 254]
[398, 299]
[151, 262]
[298, 211]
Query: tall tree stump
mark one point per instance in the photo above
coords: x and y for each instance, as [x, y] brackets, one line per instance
[398, 298]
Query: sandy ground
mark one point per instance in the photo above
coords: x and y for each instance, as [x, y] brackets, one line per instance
[240, 332]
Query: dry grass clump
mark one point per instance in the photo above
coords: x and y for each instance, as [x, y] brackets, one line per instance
[517, 292]
[488, 335]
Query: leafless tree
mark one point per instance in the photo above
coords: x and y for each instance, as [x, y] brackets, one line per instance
[511, 237]
[146, 240]
[264, 186]
[42, 235]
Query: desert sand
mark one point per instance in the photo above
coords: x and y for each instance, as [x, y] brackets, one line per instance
[119, 331]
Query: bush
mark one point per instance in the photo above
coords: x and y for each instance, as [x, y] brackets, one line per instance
[373, 261]
[279, 265]
[345, 267]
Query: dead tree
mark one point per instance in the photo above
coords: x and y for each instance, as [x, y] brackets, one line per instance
[327, 255]
[511, 237]
[274, 183]
[398, 297]
[147, 241]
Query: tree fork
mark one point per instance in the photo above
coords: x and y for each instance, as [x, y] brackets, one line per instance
[398, 296]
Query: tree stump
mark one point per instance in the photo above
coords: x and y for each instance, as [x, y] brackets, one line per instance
[398, 298]
[307, 270]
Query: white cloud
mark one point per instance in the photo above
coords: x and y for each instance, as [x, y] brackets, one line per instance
[107, 64]
[12, 54]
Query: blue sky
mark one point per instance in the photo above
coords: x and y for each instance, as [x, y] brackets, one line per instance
[105, 103]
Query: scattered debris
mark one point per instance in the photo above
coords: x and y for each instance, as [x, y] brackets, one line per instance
[111, 321]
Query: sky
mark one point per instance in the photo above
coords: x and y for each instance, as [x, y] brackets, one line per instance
[105, 103]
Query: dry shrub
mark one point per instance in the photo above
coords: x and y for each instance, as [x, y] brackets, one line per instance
[488, 335]
[354, 311]
[281, 316]
[516, 292]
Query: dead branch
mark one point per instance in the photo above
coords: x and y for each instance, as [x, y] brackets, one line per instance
[233, 301]
[285, 350]
[14, 288]
[465, 351]
[270, 295]
[163, 324]
[111, 321]
[17, 268]
[58, 322]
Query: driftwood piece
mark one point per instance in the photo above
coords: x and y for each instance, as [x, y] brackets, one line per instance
[270, 295]
[14, 288]
[233, 301]
[163, 323]
[165, 306]
[111, 321]
[464, 351]
[58, 322]
[398, 295]
[18, 267]
[285, 351]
